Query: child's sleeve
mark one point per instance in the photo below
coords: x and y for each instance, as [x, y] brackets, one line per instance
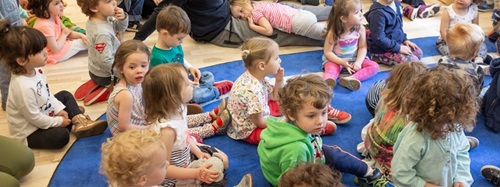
[407, 151]
[121, 25]
[29, 109]
[463, 174]
[377, 27]
[105, 53]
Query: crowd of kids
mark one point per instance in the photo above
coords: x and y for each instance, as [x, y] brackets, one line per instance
[150, 93]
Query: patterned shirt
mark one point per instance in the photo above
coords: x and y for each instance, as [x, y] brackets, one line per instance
[373, 95]
[278, 15]
[470, 68]
[137, 115]
[248, 96]
[347, 46]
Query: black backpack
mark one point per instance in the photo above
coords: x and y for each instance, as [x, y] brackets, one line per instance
[491, 100]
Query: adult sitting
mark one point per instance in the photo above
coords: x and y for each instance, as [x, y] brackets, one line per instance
[211, 21]
[16, 161]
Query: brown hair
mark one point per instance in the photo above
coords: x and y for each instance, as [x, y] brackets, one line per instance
[173, 19]
[394, 91]
[162, 88]
[441, 101]
[40, 8]
[124, 50]
[87, 5]
[19, 42]
[304, 88]
[340, 8]
[309, 174]
[464, 40]
[257, 48]
[127, 156]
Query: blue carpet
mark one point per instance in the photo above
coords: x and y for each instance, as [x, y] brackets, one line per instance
[79, 167]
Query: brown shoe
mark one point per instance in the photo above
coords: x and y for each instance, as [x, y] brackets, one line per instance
[220, 108]
[221, 123]
[194, 109]
[83, 126]
[246, 181]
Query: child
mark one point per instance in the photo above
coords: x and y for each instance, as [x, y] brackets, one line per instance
[264, 16]
[31, 19]
[173, 25]
[387, 41]
[464, 12]
[464, 41]
[35, 116]
[134, 158]
[432, 149]
[304, 102]
[125, 104]
[62, 42]
[103, 43]
[389, 121]
[309, 174]
[345, 46]
[12, 14]
[248, 102]
[166, 90]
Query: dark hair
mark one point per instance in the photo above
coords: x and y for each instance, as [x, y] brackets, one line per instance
[87, 5]
[174, 20]
[19, 42]
[124, 50]
[40, 8]
[310, 174]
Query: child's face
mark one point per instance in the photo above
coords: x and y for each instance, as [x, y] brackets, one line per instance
[310, 119]
[240, 12]
[187, 91]
[56, 7]
[172, 40]
[158, 168]
[463, 4]
[135, 67]
[37, 60]
[273, 65]
[355, 16]
[105, 8]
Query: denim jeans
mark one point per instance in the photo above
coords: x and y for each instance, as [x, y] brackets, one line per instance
[206, 90]
[133, 8]
[343, 161]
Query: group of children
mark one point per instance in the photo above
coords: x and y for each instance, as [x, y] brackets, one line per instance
[154, 134]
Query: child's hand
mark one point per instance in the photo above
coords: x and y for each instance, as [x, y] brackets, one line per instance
[65, 31]
[66, 122]
[195, 72]
[458, 184]
[430, 185]
[119, 14]
[356, 66]
[84, 38]
[202, 155]
[250, 21]
[207, 176]
[63, 114]
[280, 74]
[405, 50]
[410, 44]
[347, 66]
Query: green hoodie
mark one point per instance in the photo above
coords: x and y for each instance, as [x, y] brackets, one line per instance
[284, 145]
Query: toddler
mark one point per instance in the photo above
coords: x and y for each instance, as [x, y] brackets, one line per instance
[310, 175]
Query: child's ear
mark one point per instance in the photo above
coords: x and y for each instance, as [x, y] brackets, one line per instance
[261, 65]
[289, 115]
[94, 9]
[21, 61]
[142, 180]
[164, 32]
[343, 19]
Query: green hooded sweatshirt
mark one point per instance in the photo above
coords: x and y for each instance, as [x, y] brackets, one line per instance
[284, 145]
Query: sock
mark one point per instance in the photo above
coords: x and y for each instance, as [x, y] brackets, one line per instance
[369, 172]
[214, 112]
[217, 124]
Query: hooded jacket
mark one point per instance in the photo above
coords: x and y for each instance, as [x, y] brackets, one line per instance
[284, 145]
[386, 28]
[490, 104]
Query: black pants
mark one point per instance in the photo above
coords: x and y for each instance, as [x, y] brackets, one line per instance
[150, 25]
[55, 137]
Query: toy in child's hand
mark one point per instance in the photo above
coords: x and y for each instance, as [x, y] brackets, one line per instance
[217, 165]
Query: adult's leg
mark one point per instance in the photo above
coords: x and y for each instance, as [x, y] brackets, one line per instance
[150, 25]
[16, 159]
[321, 12]
[51, 138]
[4, 81]
[133, 8]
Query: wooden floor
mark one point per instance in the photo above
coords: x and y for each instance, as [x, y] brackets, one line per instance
[70, 74]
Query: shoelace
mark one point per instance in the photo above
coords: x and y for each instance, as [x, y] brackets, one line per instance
[333, 113]
[380, 182]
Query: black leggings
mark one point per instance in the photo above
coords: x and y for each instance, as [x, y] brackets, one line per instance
[55, 137]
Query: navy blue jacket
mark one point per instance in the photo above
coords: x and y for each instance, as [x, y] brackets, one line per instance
[491, 100]
[386, 28]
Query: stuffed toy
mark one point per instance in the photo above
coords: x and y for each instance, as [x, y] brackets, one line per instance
[217, 165]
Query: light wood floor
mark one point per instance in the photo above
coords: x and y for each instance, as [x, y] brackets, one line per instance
[72, 73]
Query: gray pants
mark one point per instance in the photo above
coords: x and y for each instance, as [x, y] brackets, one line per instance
[4, 81]
[443, 48]
[305, 23]
[237, 31]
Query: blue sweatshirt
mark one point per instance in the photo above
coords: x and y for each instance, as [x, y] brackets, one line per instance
[386, 28]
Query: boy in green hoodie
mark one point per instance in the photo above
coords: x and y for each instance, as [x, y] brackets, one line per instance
[294, 139]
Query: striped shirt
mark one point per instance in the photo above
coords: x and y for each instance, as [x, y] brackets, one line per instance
[278, 15]
[137, 115]
[373, 95]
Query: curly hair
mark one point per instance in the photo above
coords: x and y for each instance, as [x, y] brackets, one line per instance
[441, 101]
[19, 42]
[127, 156]
[173, 19]
[464, 40]
[87, 5]
[257, 48]
[340, 8]
[309, 174]
[304, 88]
[162, 88]
[396, 84]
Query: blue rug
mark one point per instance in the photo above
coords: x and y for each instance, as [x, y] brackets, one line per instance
[80, 165]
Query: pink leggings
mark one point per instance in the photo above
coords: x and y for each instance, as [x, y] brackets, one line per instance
[368, 69]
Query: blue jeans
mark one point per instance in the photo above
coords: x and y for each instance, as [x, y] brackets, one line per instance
[133, 8]
[343, 161]
[206, 90]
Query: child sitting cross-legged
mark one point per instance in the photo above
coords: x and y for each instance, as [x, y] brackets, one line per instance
[173, 25]
[304, 102]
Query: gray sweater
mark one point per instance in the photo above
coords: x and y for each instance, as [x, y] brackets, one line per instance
[103, 43]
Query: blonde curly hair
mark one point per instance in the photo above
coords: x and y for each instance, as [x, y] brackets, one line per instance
[127, 156]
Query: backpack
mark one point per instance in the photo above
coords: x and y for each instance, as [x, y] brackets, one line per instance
[491, 100]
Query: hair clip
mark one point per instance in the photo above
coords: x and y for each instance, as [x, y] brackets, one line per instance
[246, 51]
[11, 25]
